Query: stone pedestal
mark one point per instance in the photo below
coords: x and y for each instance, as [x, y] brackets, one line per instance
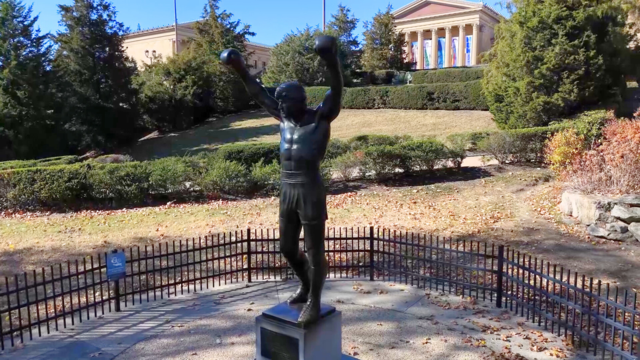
[280, 337]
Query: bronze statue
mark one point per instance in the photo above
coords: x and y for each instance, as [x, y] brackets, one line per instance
[304, 135]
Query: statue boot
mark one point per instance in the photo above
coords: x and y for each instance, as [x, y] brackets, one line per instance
[301, 269]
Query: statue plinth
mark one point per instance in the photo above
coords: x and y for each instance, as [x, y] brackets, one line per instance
[280, 336]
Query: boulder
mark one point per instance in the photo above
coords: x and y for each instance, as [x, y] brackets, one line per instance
[597, 231]
[618, 227]
[635, 230]
[628, 215]
[586, 208]
[630, 200]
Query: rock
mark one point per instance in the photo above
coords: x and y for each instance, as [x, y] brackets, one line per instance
[628, 215]
[618, 227]
[635, 230]
[616, 236]
[586, 208]
[597, 231]
[630, 200]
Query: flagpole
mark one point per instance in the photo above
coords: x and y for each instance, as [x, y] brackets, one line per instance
[324, 21]
[175, 12]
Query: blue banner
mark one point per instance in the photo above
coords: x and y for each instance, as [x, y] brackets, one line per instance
[441, 47]
[467, 50]
[454, 52]
[116, 269]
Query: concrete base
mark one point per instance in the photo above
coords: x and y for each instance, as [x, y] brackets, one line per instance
[277, 337]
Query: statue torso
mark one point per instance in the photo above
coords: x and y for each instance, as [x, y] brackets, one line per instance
[303, 145]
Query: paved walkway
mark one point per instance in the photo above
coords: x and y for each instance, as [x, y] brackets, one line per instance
[380, 320]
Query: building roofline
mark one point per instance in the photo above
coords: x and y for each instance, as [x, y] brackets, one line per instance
[181, 25]
[471, 6]
[419, 2]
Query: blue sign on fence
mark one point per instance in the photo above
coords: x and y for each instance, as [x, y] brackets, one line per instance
[116, 266]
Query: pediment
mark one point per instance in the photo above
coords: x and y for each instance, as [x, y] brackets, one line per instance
[422, 8]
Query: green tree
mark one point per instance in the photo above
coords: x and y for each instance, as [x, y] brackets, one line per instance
[191, 86]
[343, 27]
[553, 57]
[294, 59]
[95, 77]
[26, 124]
[383, 46]
[217, 31]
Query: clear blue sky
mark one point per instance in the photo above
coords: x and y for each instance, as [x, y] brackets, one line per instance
[269, 19]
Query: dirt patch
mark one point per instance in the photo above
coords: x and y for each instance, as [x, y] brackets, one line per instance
[508, 205]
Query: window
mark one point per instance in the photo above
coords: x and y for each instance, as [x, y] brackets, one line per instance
[255, 64]
[264, 64]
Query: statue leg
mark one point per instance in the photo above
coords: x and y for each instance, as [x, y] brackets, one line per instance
[314, 241]
[290, 227]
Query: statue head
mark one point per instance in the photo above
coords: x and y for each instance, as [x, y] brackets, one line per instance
[292, 99]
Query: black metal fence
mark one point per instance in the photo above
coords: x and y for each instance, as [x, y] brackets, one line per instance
[593, 316]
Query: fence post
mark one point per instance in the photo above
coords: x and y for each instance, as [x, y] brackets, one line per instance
[371, 265]
[500, 276]
[117, 293]
[249, 253]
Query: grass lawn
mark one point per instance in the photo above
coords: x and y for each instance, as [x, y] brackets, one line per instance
[509, 205]
[258, 126]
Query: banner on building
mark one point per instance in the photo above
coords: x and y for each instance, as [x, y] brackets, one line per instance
[454, 51]
[427, 54]
[467, 50]
[414, 55]
[441, 47]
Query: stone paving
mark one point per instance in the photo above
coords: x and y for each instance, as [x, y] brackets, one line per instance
[380, 321]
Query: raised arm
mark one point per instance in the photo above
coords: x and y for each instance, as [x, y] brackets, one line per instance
[233, 59]
[327, 48]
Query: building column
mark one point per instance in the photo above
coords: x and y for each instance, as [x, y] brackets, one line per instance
[462, 39]
[434, 48]
[447, 47]
[474, 50]
[407, 39]
[420, 57]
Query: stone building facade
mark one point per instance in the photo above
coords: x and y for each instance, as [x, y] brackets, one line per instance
[446, 33]
[143, 46]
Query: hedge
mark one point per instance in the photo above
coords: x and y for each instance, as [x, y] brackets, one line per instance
[23, 164]
[249, 154]
[587, 124]
[237, 170]
[454, 96]
[452, 75]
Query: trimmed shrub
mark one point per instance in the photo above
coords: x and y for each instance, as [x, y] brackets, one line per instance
[266, 177]
[423, 154]
[349, 166]
[456, 96]
[172, 177]
[445, 76]
[363, 141]
[120, 184]
[23, 164]
[519, 146]
[335, 149]
[226, 177]
[55, 186]
[382, 162]
[249, 154]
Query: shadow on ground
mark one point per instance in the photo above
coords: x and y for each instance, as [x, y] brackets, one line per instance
[205, 137]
